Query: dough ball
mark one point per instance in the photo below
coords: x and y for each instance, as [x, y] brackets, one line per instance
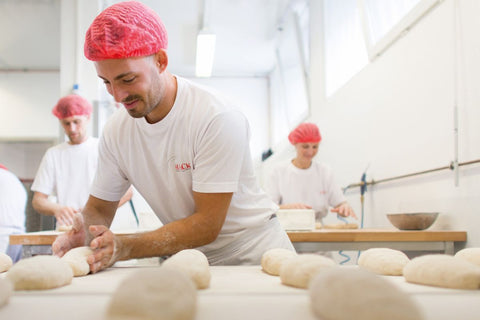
[194, 263]
[273, 259]
[470, 254]
[442, 270]
[5, 262]
[154, 294]
[77, 259]
[383, 261]
[345, 294]
[5, 291]
[299, 270]
[40, 273]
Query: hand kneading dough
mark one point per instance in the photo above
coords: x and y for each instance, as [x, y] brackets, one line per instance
[470, 254]
[40, 273]
[154, 294]
[299, 270]
[77, 259]
[5, 291]
[5, 262]
[442, 270]
[383, 261]
[194, 263]
[273, 259]
[345, 294]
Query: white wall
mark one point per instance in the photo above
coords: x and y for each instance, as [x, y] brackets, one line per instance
[396, 116]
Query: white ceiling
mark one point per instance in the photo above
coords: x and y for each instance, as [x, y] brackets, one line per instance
[246, 32]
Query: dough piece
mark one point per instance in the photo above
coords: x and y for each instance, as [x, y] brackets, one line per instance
[383, 261]
[442, 270]
[155, 294]
[194, 263]
[77, 259]
[40, 273]
[5, 262]
[273, 259]
[345, 294]
[341, 226]
[299, 270]
[470, 254]
[5, 291]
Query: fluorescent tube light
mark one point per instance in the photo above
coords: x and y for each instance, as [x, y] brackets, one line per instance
[205, 53]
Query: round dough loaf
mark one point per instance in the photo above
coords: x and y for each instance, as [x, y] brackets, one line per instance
[299, 270]
[470, 254]
[154, 294]
[345, 294]
[40, 273]
[77, 259]
[273, 259]
[442, 270]
[5, 291]
[194, 263]
[383, 261]
[5, 262]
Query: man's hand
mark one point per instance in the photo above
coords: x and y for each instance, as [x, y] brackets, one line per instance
[71, 239]
[65, 215]
[344, 210]
[104, 246]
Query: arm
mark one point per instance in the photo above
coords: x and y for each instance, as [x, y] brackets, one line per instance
[295, 206]
[344, 210]
[63, 214]
[126, 197]
[200, 228]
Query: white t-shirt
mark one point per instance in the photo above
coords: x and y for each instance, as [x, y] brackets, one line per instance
[67, 171]
[202, 145]
[13, 200]
[314, 186]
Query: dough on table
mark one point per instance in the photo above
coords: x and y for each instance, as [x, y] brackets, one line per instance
[5, 262]
[5, 291]
[40, 273]
[194, 263]
[443, 270]
[384, 261]
[155, 294]
[273, 259]
[77, 259]
[345, 294]
[299, 270]
[470, 254]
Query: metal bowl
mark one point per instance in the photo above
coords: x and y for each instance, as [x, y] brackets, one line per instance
[412, 221]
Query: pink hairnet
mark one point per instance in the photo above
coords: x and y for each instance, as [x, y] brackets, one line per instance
[305, 132]
[72, 105]
[3, 167]
[124, 30]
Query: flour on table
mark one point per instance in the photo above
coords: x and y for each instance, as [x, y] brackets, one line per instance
[299, 270]
[384, 261]
[77, 259]
[273, 259]
[5, 291]
[194, 263]
[40, 273]
[470, 254]
[345, 294]
[156, 294]
[5, 262]
[443, 270]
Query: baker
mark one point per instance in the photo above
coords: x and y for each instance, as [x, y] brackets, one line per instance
[184, 148]
[303, 183]
[67, 169]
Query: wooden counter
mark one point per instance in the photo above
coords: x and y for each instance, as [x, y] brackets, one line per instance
[236, 292]
[312, 241]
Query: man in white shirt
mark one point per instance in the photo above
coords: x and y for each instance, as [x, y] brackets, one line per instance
[67, 169]
[184, 149]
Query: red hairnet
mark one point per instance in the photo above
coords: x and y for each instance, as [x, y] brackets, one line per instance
[72, 105]
[124, 30]
[305, 132]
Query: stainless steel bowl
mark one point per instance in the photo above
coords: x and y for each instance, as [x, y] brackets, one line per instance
[412, 221]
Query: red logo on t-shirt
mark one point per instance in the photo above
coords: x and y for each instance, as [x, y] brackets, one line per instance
[180, 167]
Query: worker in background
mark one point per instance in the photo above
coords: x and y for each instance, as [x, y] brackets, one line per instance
[184, 148]
[67, 169]
[303, 183]
[13, 201]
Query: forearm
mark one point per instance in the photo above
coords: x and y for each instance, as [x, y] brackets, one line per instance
[44, 206]
[126, 197]
[97, 212]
